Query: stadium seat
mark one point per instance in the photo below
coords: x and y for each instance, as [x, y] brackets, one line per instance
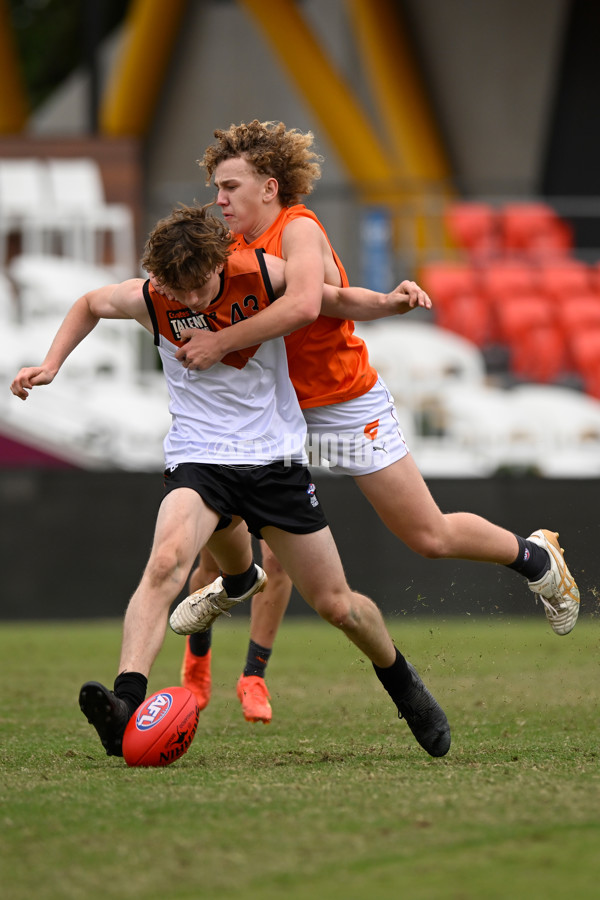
[584, 347]
[136, 415]
[539, 354]
[594, 274]
[534, 229]
[567, 423]
[555, 278]
[546, 428]
[473, 227]
[95, 422]
[48, 285]
[107, 351]
[444, 280]
[414, 358]
[484, 419]
[517, 314]
[578, 310]
[25, 209]
[469, 315]
[503, 278]
[592, 382]
[85, 218]
[8, 301]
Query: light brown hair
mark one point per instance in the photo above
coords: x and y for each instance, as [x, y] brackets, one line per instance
[273, 150]
[186, 246]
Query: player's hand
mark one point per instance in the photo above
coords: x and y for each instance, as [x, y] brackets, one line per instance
[408, 295]
[28, 378]
[201, 349]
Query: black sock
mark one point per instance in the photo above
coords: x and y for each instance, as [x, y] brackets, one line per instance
[236, 585]
[396, 678]
[200, 642]
[131, 687]
[532, 561]
[257, 659]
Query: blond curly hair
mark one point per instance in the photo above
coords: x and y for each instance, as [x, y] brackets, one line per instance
[186, 246]
[274, 150]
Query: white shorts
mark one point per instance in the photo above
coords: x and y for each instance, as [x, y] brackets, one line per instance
[356, 437]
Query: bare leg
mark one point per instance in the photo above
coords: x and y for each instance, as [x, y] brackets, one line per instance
[231, 548]
[204, 572]
[312, 561]
[314, 565]
[184, 524]
[268, 607]
[404, 503]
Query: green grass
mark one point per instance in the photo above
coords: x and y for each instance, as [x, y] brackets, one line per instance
[334, 799]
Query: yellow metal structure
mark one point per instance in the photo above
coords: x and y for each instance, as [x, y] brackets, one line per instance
[407, 172]
[129, 101]
[398, 91]
[329, 96]
[420, 160]
[14, 106]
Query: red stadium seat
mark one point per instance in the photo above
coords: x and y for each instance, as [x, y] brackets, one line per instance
[474, 228]
[469, 315]
[592, 384]
[534, 229]
[578, 310]
[444, 280]
[594, 273]
[539, 354]
[558, 279]
[504, 278]
[584, 347]
[519, 313]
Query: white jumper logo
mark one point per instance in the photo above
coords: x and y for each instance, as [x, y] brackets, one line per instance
[153, 711]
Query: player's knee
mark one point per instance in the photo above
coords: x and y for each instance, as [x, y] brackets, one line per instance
[429, 545]
[339, 610]
[270, 563]
[166, 566]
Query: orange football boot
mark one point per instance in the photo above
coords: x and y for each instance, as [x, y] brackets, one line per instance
[195, 675]
[253, 695]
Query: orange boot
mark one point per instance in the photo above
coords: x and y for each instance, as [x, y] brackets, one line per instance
[195, 675]
[253, 695]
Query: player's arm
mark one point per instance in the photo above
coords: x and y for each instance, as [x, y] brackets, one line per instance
[356, 303]
[364, 305]
[299, 305]
[114, 301]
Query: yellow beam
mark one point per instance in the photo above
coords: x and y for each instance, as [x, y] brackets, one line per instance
[398, 90]
[14, 106]
[129, 102]
[321, 85]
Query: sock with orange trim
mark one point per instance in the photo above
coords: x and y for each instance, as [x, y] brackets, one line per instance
[257, 659]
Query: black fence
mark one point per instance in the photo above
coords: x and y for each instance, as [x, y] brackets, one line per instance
[73, 544]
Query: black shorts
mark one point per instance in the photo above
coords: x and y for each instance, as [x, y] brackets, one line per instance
[278, 494]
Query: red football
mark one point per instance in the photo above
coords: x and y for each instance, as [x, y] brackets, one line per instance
[161, 729]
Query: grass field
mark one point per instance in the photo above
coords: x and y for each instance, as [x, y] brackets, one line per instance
[334, 799]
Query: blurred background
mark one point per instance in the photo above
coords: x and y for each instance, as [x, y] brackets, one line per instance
[461, 142]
